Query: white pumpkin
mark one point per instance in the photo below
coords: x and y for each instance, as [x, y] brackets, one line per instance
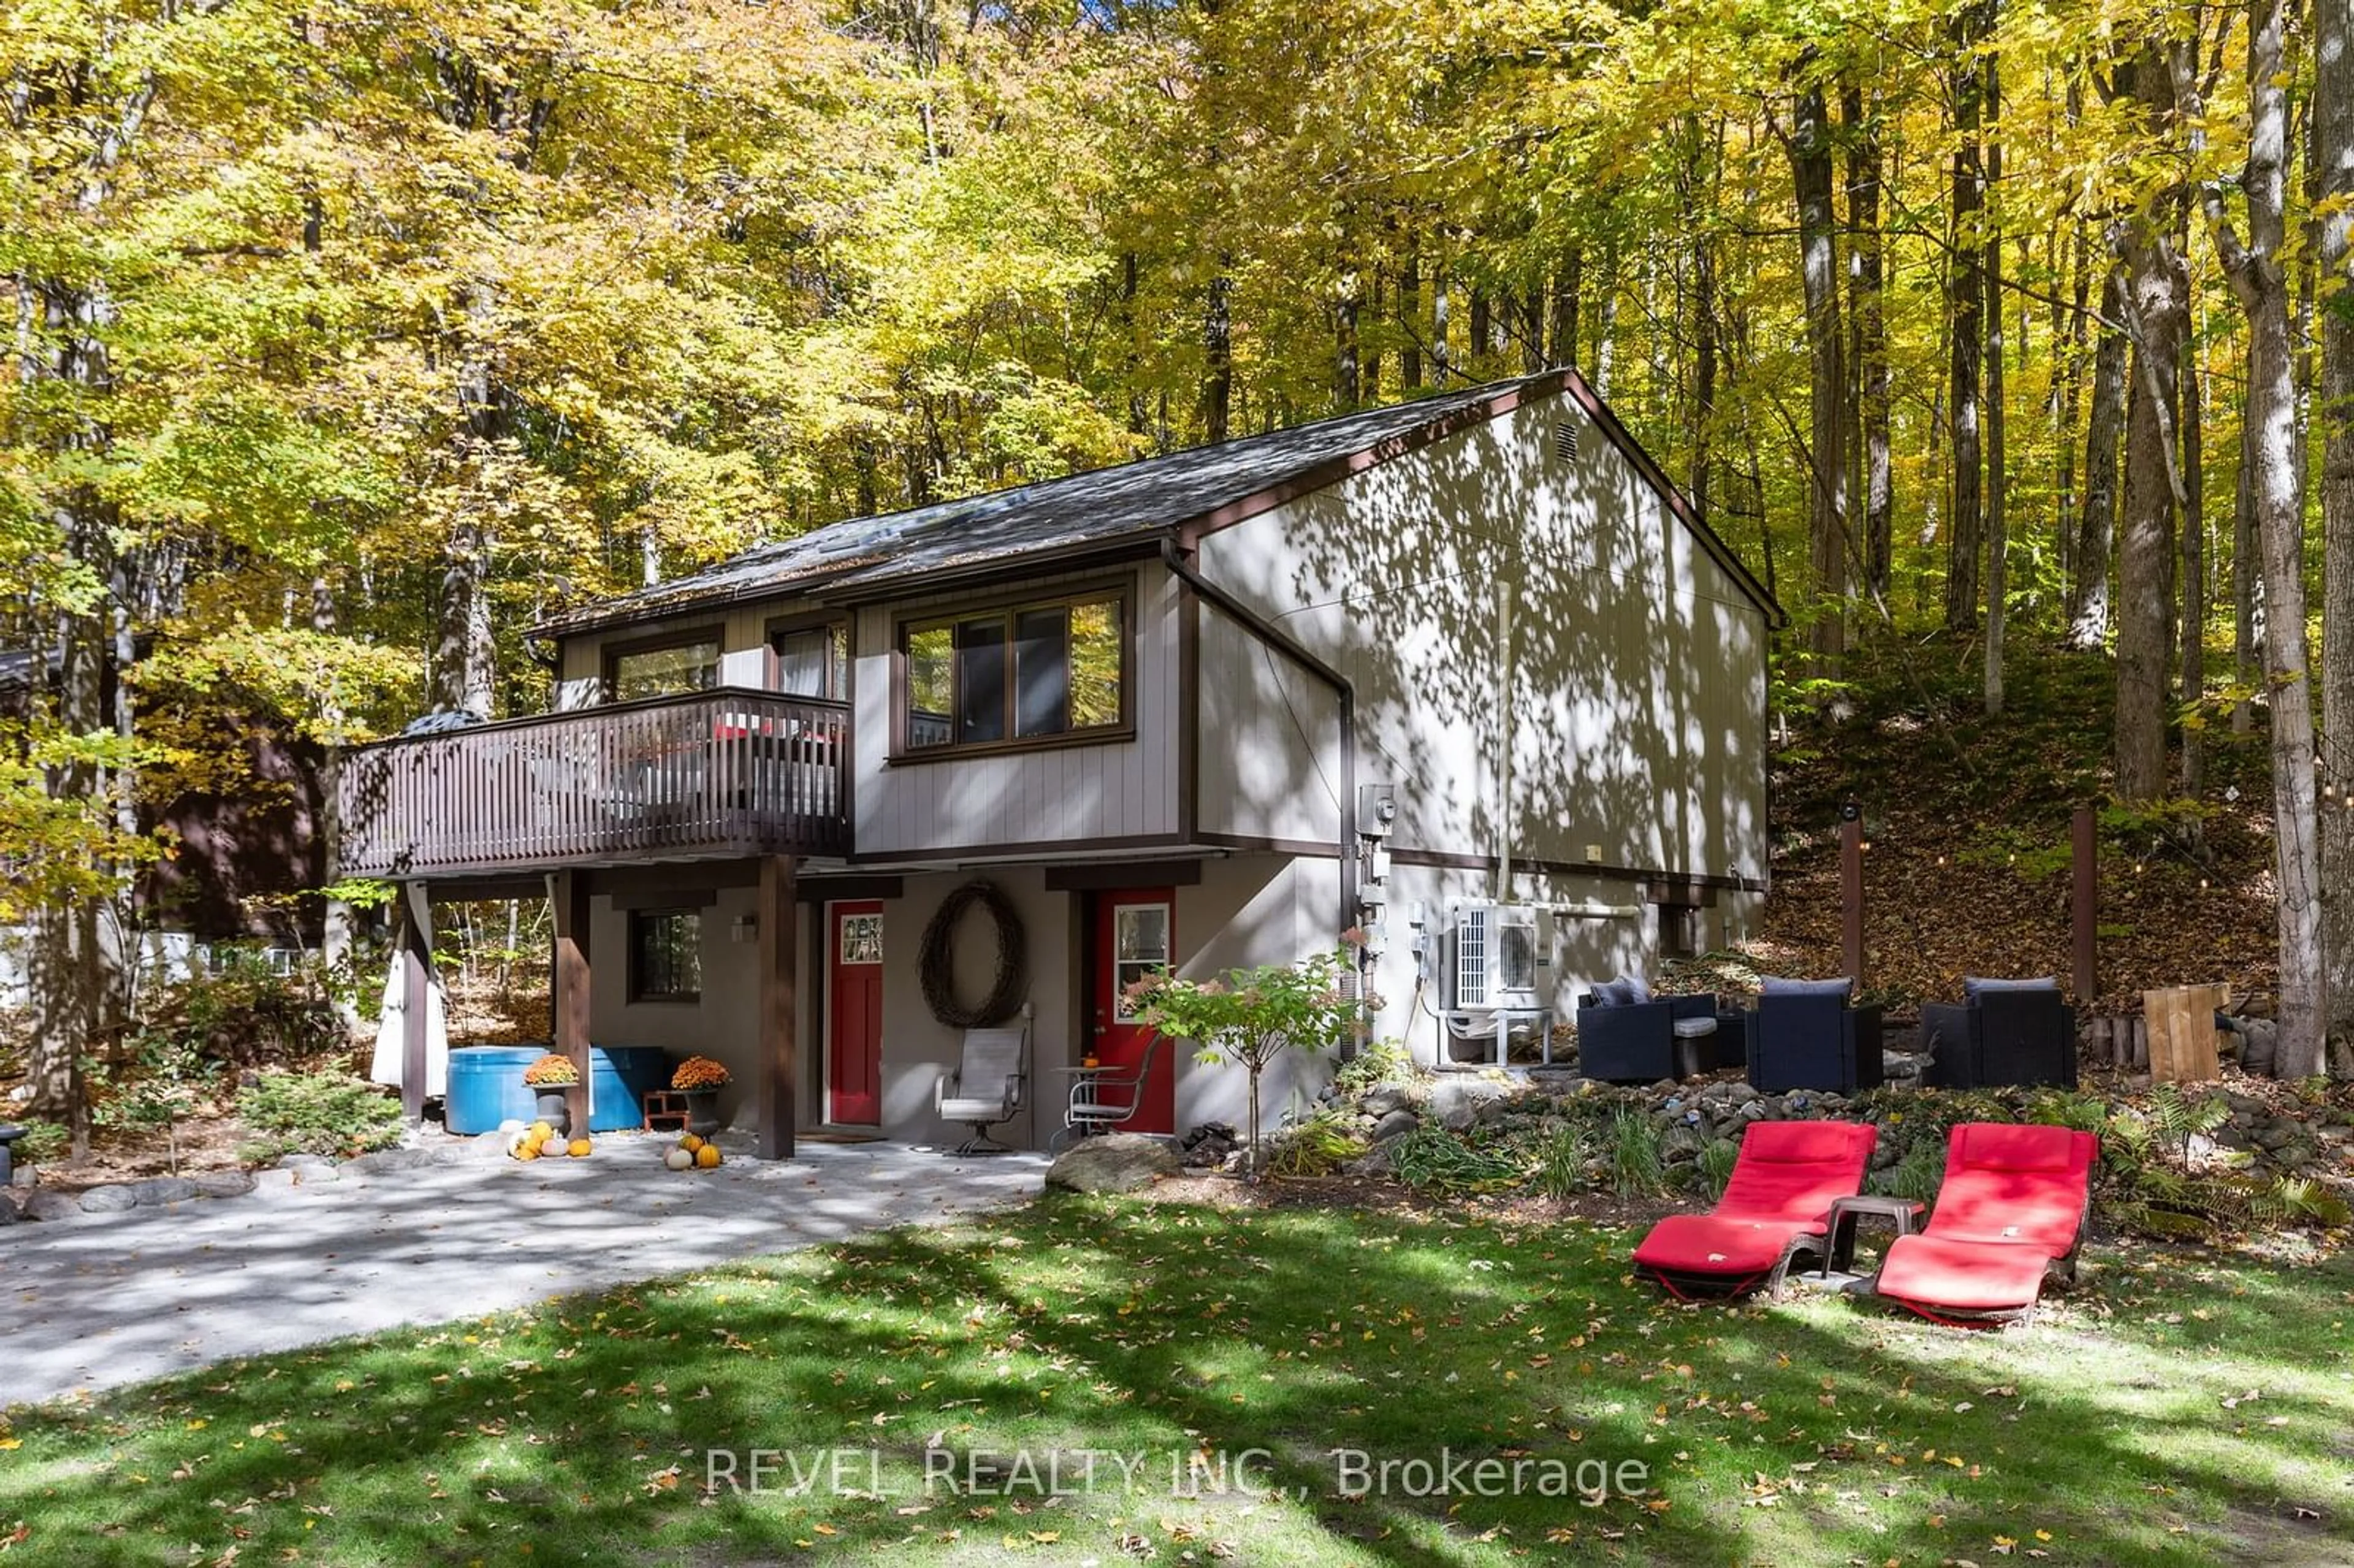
[679, 1160]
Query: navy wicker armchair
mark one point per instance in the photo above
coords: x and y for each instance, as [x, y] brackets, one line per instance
[1804, 1035]
[2004, 1033]
[1637, 1041]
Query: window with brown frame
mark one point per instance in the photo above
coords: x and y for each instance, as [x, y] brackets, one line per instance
[1027, 673]
[665, 955]
[813, 661]
[667, 670]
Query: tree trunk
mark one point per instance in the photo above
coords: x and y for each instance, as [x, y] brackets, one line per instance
[1217, 361]
[1865, 165]
[2156, 294]
[2069, 335]
[1566, 283]
[1997, 540]
[2088, 590]
[1966, 305]
[2333, 156]
[1809, 144]
[2257, 280]
[2193, 649]
[1441, 307]
[1409, 314]
[1346, 392]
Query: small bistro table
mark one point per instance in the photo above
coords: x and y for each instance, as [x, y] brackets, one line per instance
[1839, 1232]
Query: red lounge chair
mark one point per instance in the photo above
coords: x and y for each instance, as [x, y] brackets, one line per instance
[2014, 1201]
[1773, 1208]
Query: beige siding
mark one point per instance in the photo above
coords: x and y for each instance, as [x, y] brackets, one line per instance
[1637, 693]
[1117, 790]
[1270, 739]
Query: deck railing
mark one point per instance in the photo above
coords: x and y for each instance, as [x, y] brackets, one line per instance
[730, 771]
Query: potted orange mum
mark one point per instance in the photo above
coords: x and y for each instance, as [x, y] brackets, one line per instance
[550, 1078]
[700, 1079]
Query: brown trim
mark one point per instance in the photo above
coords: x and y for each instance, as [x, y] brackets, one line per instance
[1453, 861]
[954, 753]
[1126, 590]
[1030, 851]
[829, 889]
[1092, 877]
[1189, 706]
[1306, 849]
[663, 898]
[1188, 532]
[609, 654]
[619, 882]
[776, 1095]
[1332, 471]
[569, 895]
[1618, 436]
[417, 984]
[1008, 572]
[1680, 891]
[484, 889]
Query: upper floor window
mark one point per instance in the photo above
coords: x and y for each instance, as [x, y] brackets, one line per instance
[813, 661]
[663, 671]
[1027, 673]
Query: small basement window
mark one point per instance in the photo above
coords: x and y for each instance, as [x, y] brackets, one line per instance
[1679, 931]
[1032, 672]
[665, 955]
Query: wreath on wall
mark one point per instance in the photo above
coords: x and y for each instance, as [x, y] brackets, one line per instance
[937, 961]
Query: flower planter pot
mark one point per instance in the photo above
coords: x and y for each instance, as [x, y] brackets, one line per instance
[553, 1105]
[702, 1112]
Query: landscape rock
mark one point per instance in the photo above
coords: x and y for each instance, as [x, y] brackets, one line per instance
[47, 1205]
[2274, 1133]
[112, 1199]
[1455, 1102]
[1397, 1124]
[158, 1190]
[1114, 1162]
[390, 1160]
[1897, 1065]
[222, 1183]
[8, 1209]
[1388, 1098]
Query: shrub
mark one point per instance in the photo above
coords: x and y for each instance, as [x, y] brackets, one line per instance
[1634, 1154]
[1712, 1167]
[1318, 1147]
[316, 1113]
[1381, 1062]
[1431, 1159]
[43, 1142]
[1562, 1155]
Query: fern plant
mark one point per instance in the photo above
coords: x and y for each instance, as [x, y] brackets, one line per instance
[1561, 1156]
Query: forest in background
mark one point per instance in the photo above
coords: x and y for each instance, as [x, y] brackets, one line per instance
[351, 338]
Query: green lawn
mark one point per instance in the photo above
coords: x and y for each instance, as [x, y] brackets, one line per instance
[2176, 1409]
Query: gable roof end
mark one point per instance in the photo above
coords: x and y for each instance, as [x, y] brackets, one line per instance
[1186, 493]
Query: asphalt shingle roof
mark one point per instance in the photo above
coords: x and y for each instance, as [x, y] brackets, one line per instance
[1132, 498]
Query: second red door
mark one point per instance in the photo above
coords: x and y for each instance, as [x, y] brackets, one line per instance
[1135, 936]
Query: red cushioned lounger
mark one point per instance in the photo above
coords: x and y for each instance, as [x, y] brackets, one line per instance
[1773, 1207]
[2014, 1201]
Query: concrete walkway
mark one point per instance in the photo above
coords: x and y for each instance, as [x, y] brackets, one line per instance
[93, 1302]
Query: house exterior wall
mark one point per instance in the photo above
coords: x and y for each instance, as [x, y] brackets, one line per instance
[1244, 910]
[1270, 745]
[1112, 790]
[1637, 688]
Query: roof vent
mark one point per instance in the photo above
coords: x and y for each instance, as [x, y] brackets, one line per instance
[1564, 441]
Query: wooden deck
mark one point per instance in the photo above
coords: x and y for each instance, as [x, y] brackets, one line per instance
[725, 773]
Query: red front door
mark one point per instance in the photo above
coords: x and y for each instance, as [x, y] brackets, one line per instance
[853, 1014]
[1135, 936]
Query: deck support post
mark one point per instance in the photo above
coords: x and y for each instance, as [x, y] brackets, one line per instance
[416, 1002]
[568, 894]
[2085, 904]
[780, 987]
[1851, 894]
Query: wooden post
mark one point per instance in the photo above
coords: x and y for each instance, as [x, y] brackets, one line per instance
[1851, 891]
[416, 999]
[2083, 906]
[568, 892]
[780, 987]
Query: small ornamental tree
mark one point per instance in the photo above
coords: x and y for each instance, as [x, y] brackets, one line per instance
[1251, 1016]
